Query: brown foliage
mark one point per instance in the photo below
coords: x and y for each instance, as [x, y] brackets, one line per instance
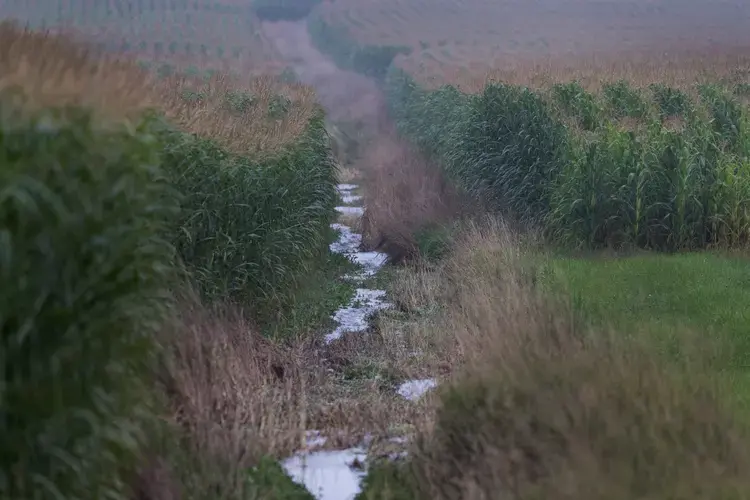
[405, 193]
[541, 407]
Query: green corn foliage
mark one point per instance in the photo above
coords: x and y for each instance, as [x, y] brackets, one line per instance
[670, 101]
[669, 184]
[251, 226]
[517, 148]
[622, 100]
[578, 104]
[85, 271]
[729, 118]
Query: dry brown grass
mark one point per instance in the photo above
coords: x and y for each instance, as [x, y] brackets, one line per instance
[677, 68]
[234, 397]
[252, 131]
[540, 407]
[403, 194]
[55, 71]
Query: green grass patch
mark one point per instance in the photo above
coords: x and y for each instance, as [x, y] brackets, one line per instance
[268, 480]
[679, 302]
[315, 299]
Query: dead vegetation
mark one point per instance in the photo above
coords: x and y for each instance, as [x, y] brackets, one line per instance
[254, 115]
[234, 397]
[259, 115]
[538, 406]
[405, 193]
[54, 71]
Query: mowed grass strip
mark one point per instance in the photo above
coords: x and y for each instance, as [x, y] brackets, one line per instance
[704, 296]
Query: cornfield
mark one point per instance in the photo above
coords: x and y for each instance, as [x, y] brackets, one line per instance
[656, 168]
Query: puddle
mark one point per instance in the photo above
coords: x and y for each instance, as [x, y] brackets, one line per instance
[350, 210]
[354, 317]
[350, 198]
[415, 389]
[328, 475]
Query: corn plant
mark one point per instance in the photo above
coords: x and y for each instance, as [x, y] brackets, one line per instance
[671, 102]
[624, 101]
[85, 271]
[578, 104]
[251, 225]
[515, 150]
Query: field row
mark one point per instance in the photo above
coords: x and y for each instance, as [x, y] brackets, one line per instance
[447, 36]
[192, 31]
[654, 168]
[137, 213]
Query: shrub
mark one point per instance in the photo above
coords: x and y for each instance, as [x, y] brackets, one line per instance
[583, 419]
[85, 271]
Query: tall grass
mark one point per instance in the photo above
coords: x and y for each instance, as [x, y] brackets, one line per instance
[655, 168]
[111, 185]
[86, 271]
[252, 221]
[540, 406]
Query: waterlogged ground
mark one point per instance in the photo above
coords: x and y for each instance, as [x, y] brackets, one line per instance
[348, 97]
[337, 474]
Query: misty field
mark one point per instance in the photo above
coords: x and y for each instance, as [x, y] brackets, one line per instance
[563, 189]
[613, 139]
[204, 33]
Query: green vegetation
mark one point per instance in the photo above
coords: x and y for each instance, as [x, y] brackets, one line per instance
[624, 168]
[86, 271]
[120, 196]
[268, 480]
[251, 228]
[672, 301]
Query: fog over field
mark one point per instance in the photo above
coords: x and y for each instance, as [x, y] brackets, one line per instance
[375, 249]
